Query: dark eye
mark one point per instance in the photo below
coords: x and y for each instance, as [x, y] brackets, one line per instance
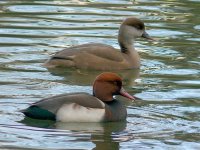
[115, 83]
[139, 27]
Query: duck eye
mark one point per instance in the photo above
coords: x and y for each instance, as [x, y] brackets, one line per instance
[139, 27]
[115, 83]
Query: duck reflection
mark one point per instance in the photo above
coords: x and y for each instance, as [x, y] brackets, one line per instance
[101, 133]
[86, 77]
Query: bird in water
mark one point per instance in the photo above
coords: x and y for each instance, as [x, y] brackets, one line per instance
[96, 56]
[84, 107]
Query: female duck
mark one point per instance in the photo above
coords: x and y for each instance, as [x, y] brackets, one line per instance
[83, 107]
[97, 56]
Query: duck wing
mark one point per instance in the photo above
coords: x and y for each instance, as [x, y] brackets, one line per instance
[99, 50]
[48, 107]
[89, 56]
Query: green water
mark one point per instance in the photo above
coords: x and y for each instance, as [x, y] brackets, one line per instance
[167, 117]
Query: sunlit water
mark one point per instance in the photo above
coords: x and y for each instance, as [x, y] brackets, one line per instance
[167, 117]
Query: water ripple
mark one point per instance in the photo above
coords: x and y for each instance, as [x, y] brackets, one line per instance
[167, 117]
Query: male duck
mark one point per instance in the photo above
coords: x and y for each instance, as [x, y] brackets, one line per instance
[95, 56]
[83, 107]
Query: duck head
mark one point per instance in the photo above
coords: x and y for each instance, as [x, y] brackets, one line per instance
[108, 84]
[130, 29]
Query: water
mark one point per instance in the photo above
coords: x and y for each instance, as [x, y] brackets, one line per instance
[168, 82]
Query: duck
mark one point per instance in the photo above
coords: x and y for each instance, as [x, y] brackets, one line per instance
[83, 107]
[97, 56]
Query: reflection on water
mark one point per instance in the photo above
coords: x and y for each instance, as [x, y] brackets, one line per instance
[168, 81]
[85, 77]
[102, 135]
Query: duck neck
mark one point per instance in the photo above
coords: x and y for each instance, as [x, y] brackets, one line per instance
[126, 43]
[125, 48]
[102, 92]
[104, 98]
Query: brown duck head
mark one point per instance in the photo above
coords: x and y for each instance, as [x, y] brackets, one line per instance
[108, 84]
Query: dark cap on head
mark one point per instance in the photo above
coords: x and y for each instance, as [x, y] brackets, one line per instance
[134, 22]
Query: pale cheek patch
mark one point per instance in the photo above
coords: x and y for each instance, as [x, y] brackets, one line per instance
[76, 113]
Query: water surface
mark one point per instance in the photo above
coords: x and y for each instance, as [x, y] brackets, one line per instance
[168, 82]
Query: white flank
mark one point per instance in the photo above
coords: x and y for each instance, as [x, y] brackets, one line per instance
[76, 113]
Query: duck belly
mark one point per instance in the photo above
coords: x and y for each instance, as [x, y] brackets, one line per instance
[77, 113]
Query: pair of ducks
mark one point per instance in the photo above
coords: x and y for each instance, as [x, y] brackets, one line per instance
[99, 107]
